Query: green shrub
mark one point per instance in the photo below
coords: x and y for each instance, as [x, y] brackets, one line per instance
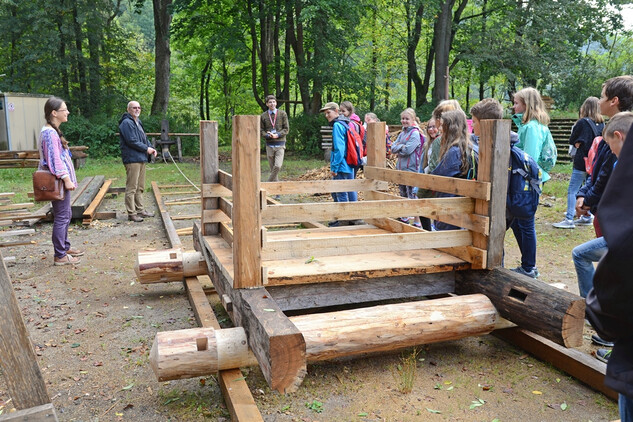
[305, 136]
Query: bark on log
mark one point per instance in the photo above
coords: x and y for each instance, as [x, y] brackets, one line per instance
[176, 354]
[534, 305]
[168, 265]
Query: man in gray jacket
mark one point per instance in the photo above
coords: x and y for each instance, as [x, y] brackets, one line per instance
[135, 152]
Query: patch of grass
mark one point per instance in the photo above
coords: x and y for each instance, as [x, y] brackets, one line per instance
[404, 372]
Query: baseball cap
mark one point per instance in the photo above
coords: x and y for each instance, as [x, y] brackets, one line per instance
[329, 106]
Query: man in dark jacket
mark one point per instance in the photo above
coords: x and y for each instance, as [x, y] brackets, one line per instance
[609, 303]
[135, 152]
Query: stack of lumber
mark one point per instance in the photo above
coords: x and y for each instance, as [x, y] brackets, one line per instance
[30, 158]
[9, 210]
[6, 237]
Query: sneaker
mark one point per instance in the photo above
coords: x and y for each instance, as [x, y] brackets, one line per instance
[603, 355]
[533, 273]
[565, 224]
[404, 220]
[584, 220]
[67, 260]
[602, 342]
[74, 252]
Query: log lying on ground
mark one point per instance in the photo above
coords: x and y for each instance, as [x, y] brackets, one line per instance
[534, 305]
[203, 351]
[168, 265]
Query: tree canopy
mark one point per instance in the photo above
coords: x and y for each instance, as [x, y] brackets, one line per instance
[382, 55]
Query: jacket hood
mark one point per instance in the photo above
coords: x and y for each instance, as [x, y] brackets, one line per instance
[125, 116]
[340, 118]
[514, 138]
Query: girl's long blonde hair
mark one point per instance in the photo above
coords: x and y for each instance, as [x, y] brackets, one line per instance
[455, 133]
[534, 106]
[591, 109]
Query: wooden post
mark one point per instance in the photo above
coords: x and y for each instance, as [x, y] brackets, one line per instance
[494, 156]
[168, 265]
[209, 166]
[376, 151]
[17, 358]
[247, 238]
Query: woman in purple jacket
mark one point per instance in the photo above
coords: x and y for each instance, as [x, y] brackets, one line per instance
[55, 156]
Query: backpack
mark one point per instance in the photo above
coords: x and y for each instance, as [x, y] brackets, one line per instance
[547, 160]
[591, 154]
[524, 185]
[354, 146]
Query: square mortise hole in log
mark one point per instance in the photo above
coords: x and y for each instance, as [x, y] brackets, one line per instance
[517, 294]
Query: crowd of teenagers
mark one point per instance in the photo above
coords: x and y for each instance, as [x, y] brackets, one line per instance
[447, 145]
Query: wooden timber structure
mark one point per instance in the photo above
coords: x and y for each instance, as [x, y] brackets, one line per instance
[276, 284]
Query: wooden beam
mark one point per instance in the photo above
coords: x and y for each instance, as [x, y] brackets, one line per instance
[357, 244]
[462, 187]
[209, 166]
[531, 304]
[89, 213]
[494, 156]
[215, 190]
[376, 148]
[289, 213]
[306, 297]
[323, 186]
[226, 179]
[82, 202]
[22, 375]
[42, 413]
[168, 265]
[247, 221]
[579, 365]
[170, 229]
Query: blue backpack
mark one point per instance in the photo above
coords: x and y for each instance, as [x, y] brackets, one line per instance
[524, 185]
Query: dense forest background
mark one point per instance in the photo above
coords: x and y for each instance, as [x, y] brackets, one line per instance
[211, 59]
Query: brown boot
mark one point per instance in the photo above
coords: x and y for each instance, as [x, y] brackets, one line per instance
[135, 218]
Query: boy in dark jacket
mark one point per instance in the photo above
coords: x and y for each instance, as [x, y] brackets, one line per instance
[609, 303]
[135, 152]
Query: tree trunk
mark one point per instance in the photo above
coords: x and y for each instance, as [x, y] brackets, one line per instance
[442, 46]
[79, 60]
[94, 66]
[162, 23]
[203, 79]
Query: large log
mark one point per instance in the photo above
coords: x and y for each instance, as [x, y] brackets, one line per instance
[203, 351]
[168, 265]
[534, 305]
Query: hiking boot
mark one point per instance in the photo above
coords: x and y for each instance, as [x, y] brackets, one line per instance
[144, 214]
[565, 224]
[584, 220]
[602, 342]
[533, 273]
[135, 218]
[603, 355]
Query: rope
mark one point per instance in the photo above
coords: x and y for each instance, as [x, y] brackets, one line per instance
[183, 174]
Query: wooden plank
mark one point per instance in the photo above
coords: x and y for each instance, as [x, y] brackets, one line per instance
[247, 221]
[494, 156]
[462, 187]
[22, 375]
[104, 215]
[215, 216]
[358, 244]
[42, 413]
[82, 202]
[17, 243]
[92, 208]
[306, 297]
[16, 206]
[531, 304]
[21, 232]
[215, 190]
[275, 341]
[226, 179]
[323, 186]
[290, 213]
[474, 222]
[209, 166]
[186, 217]
[579, 365]
[170, 229]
